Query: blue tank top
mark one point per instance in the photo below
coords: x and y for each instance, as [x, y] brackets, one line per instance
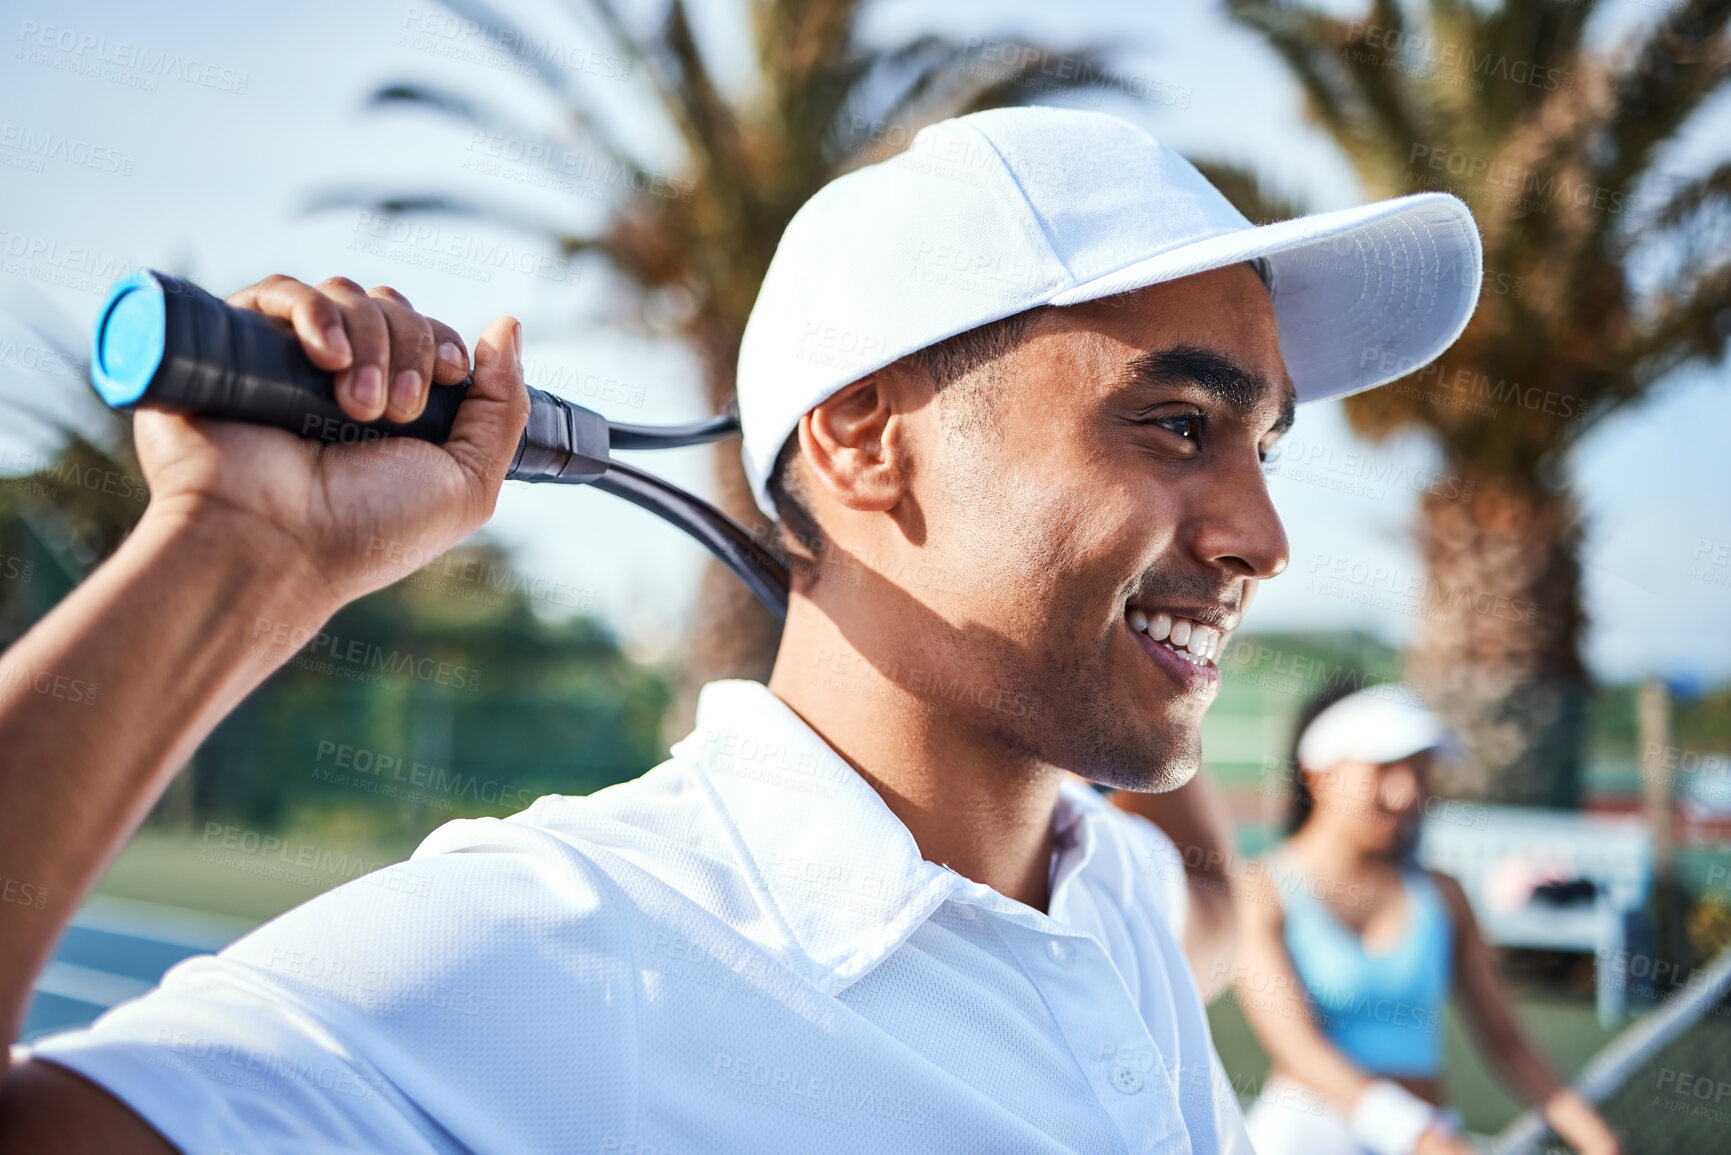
[1384, 1011]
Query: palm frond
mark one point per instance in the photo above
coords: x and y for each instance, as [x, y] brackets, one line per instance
[487, 118]
[513, 40]
[460, 107]
[1684, 59]
[1307, 42]
[1690, 323]
[1692, 196]
[1019, 83]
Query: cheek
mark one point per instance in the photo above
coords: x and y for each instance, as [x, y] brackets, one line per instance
[1018, 537]
[1075, 565]
[1033, 553]
[1399, 793]
[1343, 786]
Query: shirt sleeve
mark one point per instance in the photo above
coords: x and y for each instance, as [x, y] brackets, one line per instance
[477, 997]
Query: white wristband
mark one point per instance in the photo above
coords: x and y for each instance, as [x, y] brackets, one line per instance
[1388, 1119]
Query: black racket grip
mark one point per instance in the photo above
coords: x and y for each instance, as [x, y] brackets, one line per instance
[219, 360]
[240, 365]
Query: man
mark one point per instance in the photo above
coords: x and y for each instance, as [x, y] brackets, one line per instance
[864, 908]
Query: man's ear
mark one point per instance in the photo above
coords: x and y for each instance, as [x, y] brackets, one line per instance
[855, 444]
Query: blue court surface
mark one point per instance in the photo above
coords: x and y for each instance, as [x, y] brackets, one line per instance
[117, 949]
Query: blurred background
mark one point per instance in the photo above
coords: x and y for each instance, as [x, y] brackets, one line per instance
[1535, 530]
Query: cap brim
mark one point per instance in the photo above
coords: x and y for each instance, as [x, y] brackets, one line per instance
[1362, 296]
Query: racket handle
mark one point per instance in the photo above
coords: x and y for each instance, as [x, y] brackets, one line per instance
[164, 343]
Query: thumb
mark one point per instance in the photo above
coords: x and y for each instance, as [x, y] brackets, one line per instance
[491, 418]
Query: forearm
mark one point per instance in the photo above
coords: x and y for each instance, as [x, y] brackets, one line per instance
[1296, 1046]
[1533, 1077]
[1529, 1075]
[108, 695]
[1578, 1124]
[1277, 1004]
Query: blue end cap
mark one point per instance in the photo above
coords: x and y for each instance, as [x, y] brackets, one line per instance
[130, 336]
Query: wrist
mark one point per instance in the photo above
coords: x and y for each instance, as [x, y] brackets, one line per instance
[1572, 1117]
[257, 565]
[1388, 1119]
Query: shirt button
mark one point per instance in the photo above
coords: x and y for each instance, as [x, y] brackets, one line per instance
[1126, 1078]
[1059, 952]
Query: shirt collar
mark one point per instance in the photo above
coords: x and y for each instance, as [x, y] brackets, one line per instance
[838, 875]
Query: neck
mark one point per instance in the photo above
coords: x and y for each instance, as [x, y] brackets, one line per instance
[1332, 852]
[970, 803]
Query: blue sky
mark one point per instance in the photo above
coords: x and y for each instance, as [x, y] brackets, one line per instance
[192, 136]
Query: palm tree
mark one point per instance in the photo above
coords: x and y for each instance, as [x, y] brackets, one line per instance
[1603, 275]
[695, 247]
[71, 491]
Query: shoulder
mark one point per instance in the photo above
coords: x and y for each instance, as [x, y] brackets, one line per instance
[455, 993]
[1452, 895]
[1448, 887]
[459, 992]
[1262, 885]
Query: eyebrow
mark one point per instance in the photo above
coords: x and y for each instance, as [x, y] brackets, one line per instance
[1240, 388]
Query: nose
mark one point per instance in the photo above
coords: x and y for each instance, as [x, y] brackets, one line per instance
[1237, 528]
[1397, 787]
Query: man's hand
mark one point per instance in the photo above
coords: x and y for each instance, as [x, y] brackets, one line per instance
[351, 518]
[246, 525]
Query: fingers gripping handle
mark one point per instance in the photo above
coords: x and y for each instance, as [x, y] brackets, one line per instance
[165, 343]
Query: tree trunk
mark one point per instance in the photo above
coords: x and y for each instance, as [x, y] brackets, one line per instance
[1498, 647]
[733, 635]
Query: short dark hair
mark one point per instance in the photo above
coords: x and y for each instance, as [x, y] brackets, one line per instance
[945, 363]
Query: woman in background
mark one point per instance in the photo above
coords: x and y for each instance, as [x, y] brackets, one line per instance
[1348, 953]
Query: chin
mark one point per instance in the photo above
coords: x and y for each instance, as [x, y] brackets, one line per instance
[1142, 733]
[1151, 761]
[1390, 837]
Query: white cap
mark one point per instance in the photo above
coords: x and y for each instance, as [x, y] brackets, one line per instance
[1377, 724]
[989, 214]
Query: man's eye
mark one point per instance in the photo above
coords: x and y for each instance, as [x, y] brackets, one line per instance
[1187, 425]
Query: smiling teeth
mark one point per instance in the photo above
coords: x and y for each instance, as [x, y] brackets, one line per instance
[1197, 644]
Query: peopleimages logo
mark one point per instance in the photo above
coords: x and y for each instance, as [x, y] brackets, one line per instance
[374, 767]
[358, 654]
[85, 53]
[1295, 456]
[1336, 575]
[35, 147]
[518, 51]
[598, 171]
[1406, 45]
[460, 254]
[44, 259]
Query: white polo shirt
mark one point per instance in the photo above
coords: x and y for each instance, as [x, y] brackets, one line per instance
[740, 951]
